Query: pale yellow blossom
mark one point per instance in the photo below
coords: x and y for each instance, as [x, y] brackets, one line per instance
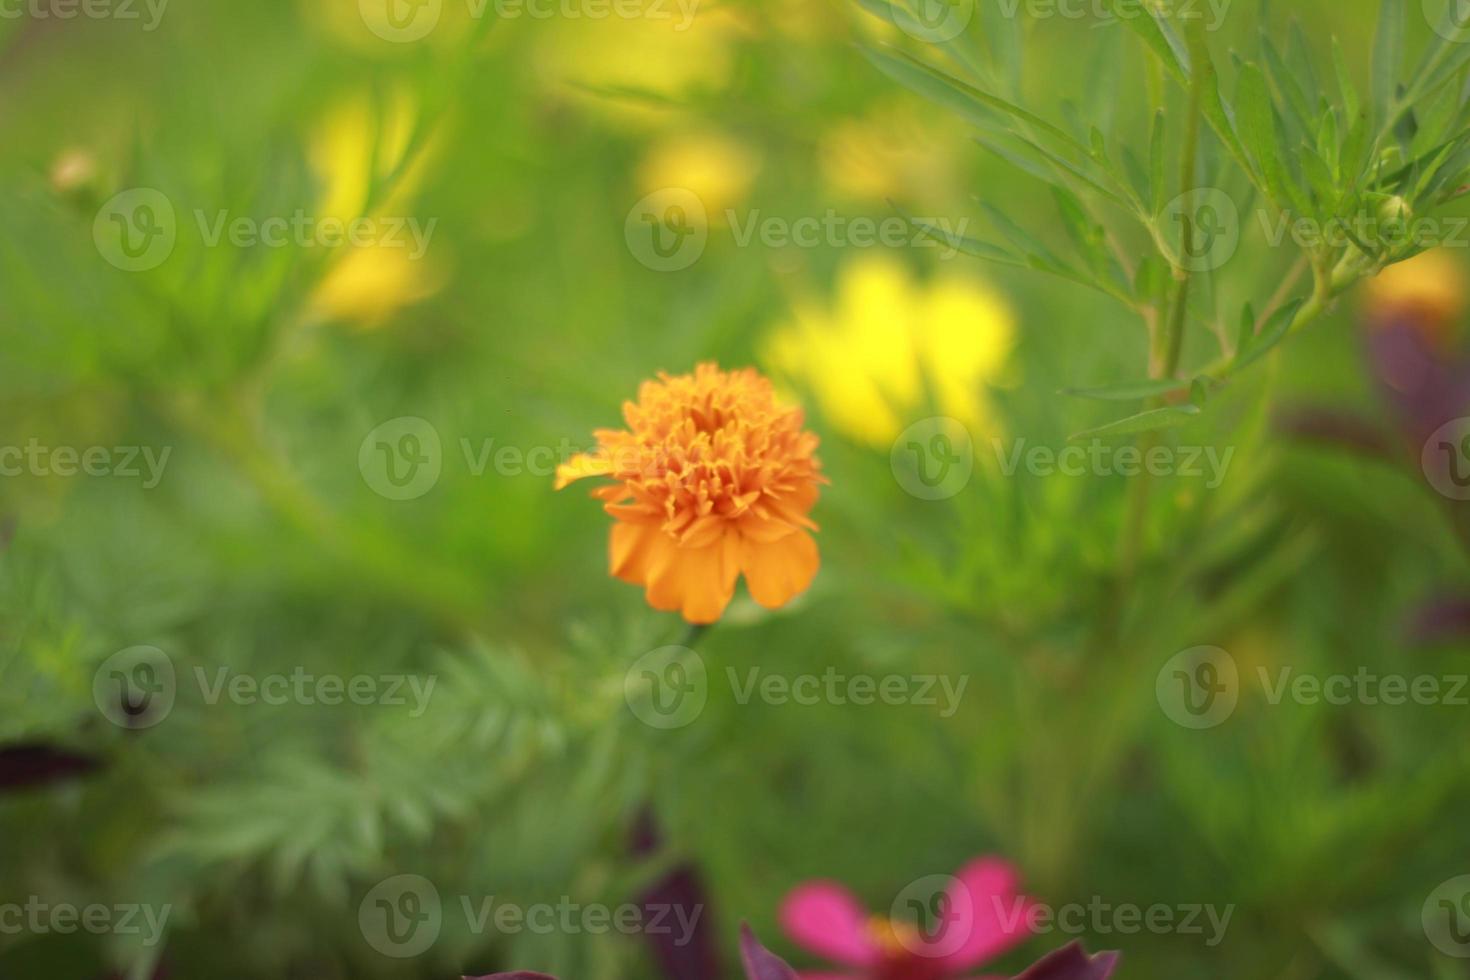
[886, 342]
[364, 156]
[716, 168]
[673, 57]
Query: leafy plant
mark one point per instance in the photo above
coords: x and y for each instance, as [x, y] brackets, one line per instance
[1353, 174]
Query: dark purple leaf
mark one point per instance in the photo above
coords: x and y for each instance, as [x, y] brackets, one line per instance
[1426, 387]
[26, 765]
[675, 911]
[1442, 620]
[1072, 963]
[761, 963]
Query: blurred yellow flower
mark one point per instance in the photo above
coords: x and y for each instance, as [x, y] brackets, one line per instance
[362, 141]
[893, 152]
[1427, 291]
[718, 169]
[870, 357]
[368, 285]
[361, 154]
[673, 51]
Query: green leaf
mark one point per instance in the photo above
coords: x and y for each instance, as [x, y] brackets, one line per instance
[1155, 32]
[1211, 104]
[969, 246]
[1350, 102]
[1257, 118]
[1246, 333]
[1327, 143]
[1006, 49]
[1299, 60]
[1273, 332]
[1388, 56]
[1447, 70]
[1150, 421]
[962, 48]
[1129, 391]
[1138, 181]
[947, 90]
[1303, 111]
[1355, 150]
[1087, 237]
[1319, 178]
[1157, 163]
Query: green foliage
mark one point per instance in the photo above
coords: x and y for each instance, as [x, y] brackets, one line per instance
[1334, 162]
[265, 551]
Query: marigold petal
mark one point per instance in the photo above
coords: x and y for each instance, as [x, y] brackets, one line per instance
[764, 529]
[778, 571]
[632, 548]
[697, 582]
[580, 467]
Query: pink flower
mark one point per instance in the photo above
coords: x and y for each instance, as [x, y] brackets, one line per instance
[978, 916]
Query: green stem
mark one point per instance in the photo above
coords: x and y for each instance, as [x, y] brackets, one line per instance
[1168, 347]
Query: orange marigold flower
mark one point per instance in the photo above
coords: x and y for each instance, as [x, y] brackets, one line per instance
[714, 478]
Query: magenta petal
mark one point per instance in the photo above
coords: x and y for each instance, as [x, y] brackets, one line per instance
[993, 917]
[827, 919]
[518, 975]
[1072, 963]
[761, 963]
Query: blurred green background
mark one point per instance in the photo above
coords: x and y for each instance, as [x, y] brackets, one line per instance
[268, 543]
